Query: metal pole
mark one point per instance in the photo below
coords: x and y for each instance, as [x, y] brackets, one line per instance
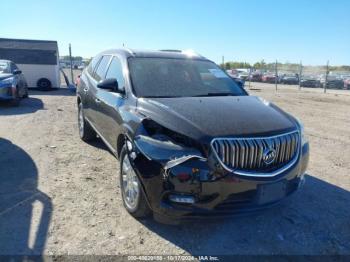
[71, 63]
[276, 74]
[326, 79]
[300, 73]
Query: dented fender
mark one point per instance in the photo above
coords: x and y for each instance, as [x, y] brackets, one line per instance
[167, 153]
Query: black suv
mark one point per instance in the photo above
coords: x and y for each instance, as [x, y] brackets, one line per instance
[190, 141]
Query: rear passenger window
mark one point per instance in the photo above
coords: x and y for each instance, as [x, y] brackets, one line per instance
[93, 64]
[115, 70]
[101, 68]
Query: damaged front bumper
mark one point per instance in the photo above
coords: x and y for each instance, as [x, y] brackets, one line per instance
[181, 184]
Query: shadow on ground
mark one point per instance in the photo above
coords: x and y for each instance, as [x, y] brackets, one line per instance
[64, 91]
[25, 212]
[315, 220]
[98, 143]
[27, 106]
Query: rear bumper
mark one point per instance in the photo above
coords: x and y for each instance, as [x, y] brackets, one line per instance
[216, 193]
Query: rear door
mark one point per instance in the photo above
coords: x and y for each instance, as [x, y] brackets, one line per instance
[97, 94]
[87, 87]
[110, 104]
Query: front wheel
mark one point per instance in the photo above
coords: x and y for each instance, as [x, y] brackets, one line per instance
[133, 196]
[16, 99]
[25, 92]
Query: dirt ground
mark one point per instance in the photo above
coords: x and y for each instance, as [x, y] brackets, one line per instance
[59, 195]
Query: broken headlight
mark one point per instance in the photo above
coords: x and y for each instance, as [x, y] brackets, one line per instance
[165, 146]
[304, 138]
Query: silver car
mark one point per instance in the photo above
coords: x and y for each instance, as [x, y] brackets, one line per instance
[13, 85]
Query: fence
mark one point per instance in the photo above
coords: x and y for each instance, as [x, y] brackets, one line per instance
[297, 74]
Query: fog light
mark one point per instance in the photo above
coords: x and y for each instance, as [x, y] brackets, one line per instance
[182, 199]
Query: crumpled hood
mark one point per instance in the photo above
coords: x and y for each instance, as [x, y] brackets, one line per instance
[224, 116]
[3, 76]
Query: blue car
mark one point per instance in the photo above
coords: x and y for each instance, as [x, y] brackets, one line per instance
[13, 85]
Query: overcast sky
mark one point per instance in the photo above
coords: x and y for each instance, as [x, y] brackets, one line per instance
[311, 31]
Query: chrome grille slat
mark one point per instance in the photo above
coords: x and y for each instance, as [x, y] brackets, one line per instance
[232, 153]
[246, 154]
[287, 148]
[243, 154]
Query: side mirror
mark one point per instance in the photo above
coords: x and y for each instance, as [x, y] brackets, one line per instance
[17, 72]
[110, 84]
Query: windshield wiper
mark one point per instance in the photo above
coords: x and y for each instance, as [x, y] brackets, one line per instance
[217, 94]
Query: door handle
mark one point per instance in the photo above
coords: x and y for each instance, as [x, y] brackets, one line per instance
[86, 89]
[97, 100]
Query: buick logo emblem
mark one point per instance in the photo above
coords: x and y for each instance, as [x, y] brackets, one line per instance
[269, 156]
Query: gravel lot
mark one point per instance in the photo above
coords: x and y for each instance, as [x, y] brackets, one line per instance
[59, 195]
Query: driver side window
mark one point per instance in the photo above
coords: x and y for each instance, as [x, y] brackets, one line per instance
[115, 70]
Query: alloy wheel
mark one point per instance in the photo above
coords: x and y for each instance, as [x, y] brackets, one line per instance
[131, 186]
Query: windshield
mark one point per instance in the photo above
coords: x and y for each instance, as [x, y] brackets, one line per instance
[4, 67]
[166, 77]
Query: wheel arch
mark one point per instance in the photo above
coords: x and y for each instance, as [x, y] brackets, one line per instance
[120, 143]
[78, 99]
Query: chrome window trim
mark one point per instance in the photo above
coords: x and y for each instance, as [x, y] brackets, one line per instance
[258, 174]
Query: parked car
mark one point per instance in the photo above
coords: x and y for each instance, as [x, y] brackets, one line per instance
[347, 83]
[268, 78]
[256, 77]
[242, 74]
[190, 141]
[77, 80]
[310, 81]
[289, 79]
[13, 85]
[333, 82]
[240, 82]
[238, 74]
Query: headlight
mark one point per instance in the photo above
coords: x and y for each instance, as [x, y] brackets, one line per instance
[167, 147]
[304, 139]
[6, 82]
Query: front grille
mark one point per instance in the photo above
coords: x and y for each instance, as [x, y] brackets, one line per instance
[249, 154]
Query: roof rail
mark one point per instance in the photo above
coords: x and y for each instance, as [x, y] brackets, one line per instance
[171, 50]
[128, 50]
[188, 52]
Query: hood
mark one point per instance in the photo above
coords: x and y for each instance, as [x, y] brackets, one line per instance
[3, 76]
[207, 117]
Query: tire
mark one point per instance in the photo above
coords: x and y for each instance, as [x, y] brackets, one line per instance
[44, 84]
[139, 208]
[86, 132]
[15, 101]
[26, 92]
